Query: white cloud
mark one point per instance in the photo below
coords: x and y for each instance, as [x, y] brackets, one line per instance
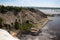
[35, 3]
[44, 4]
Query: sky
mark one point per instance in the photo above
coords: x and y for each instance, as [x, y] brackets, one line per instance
[31, 3]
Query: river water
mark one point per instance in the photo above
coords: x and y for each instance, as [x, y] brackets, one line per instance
[51, 31]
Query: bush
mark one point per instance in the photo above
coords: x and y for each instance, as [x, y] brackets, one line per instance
[17, 25]
[26, 26]
[1, 20]
[7, 26]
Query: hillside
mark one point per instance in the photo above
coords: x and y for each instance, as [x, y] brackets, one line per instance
[21, 18]
[10, 15]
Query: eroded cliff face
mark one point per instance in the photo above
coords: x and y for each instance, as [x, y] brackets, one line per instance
[22, 16]
[35, 17]
[8, 17]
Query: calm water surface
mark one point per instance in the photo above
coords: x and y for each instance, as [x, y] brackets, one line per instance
[51, 31]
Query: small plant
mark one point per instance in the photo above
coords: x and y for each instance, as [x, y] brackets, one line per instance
[8, 26]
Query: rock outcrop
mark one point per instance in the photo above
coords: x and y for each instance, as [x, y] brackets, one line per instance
[4, 35]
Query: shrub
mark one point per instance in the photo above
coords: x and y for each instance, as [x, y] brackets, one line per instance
[17, 25]
[26, 26]
[1, 20]
[7, 26]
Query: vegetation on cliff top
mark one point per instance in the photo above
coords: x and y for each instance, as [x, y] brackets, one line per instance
[4, 9]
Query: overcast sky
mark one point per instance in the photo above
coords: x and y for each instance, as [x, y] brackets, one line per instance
[34, 3]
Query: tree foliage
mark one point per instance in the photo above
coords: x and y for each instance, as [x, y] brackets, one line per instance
[4, 9]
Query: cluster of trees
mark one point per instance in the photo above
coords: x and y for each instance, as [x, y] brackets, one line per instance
[29, 8]
[4, 9]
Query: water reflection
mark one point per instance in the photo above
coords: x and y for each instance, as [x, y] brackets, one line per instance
[54, 26]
